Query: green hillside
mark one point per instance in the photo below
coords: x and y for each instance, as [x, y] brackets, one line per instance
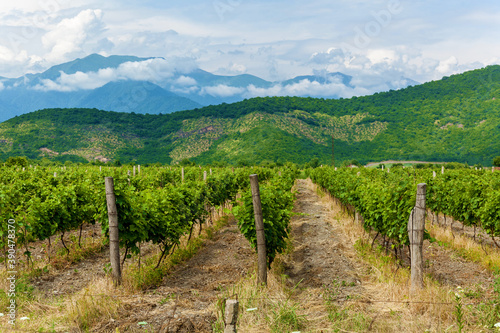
[453, 119]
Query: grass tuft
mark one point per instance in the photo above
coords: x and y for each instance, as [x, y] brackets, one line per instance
[93, 305]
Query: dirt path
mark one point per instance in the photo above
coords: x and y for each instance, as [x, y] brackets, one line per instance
[322, 262]
[320, 256]
[185, 301]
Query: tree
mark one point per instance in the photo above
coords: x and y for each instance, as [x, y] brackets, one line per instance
[314, 163]
[186, 162]
[19, 161]
[496, 161]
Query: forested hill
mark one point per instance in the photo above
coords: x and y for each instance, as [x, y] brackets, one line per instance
[453, 119]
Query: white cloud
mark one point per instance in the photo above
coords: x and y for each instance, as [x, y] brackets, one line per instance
[306, 88]
[70, 35]
[422, 42]
[184, 90]
[153, 70]
[238, 68]
[221, 90]
[185, 81]
[447, 66]
[382, 56]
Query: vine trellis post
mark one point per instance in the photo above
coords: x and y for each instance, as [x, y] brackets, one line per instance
[114, 241]
[416, 226]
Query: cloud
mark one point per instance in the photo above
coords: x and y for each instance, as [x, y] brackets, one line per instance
[306, 88]
[153, 70]
[332, 55]
[9, 61]
[185, 81]
[222, 90]
[71, 34]
[184, 90]
[447, 66]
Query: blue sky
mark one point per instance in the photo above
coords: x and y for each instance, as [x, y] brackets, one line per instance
[374, 41]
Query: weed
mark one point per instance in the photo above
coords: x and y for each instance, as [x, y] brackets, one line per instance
[283, 317]
[459, 311]
[107, 269]
[167, 299]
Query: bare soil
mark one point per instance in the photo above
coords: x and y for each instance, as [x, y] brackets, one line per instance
[72, 277]
[185, 302]
[321, 256]
[450, 269]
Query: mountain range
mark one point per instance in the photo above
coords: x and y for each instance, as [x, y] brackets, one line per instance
[456, 118]
[150, 85]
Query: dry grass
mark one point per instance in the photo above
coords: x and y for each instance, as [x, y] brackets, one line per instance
[468, 248]
[95, 303]
[389, 303]
[99, 302]
[263, 309]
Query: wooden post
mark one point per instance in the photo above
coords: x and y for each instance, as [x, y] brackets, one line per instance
[134, 170]
[434, 174]
[114, 241]
[182, 174]
[259, 228]
[442, 169]
[139, 169]
[100, 168]
[382, 167]
[210, 171]
[231, 316]
[55, 174]
[205, 176]
[416, 226]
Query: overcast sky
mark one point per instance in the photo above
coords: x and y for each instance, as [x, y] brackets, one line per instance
[419, 39]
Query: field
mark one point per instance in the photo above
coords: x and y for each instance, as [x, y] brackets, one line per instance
[336, 247]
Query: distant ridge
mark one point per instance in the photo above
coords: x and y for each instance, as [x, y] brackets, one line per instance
[182, 86]
[453, 119]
